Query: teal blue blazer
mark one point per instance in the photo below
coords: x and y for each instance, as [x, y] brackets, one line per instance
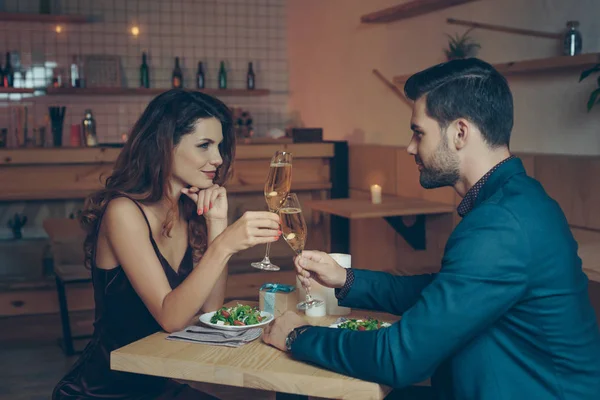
[507, 317]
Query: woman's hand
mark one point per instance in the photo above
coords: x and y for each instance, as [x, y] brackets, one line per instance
[211, 202]
[254, 227]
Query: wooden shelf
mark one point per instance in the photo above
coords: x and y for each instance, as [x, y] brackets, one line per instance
[549, 64]
[99, 155]
[51, 18]
[147, 92]
[44, 194]
[390, 207]
[537, 65]
[408, 10]
[5, 90]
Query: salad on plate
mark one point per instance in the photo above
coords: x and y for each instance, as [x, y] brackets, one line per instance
[369, 324]
[239, 315]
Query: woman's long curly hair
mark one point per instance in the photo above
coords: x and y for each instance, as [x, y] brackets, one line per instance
[143, 168]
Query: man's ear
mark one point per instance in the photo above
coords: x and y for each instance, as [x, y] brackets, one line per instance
[461, 131]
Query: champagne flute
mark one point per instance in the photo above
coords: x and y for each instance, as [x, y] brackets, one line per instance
[293, 227]
[277, 188]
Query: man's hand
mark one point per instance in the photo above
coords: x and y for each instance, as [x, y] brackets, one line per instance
[276, 332]
[320, 267]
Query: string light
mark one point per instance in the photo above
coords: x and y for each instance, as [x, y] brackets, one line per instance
[135, 30]
[58, 29]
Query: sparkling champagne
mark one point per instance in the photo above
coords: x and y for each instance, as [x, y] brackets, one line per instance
[278, 185]
[293, 227]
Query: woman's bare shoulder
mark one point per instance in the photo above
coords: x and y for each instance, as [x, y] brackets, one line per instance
[124, 213]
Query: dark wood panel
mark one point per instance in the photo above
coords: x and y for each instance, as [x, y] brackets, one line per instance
[573, 182]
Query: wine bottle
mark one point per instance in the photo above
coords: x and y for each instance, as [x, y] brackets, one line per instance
[9, 73]
[144, 73]
[200, 83]
[250, 77]
[1, 75]
[222, 76]
[177, 77]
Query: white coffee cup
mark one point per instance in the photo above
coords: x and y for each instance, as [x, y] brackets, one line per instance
[321, 292]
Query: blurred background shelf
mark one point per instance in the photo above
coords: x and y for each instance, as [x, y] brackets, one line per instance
[116, 91]
[408, 10]
[51, 18]
[535, 65]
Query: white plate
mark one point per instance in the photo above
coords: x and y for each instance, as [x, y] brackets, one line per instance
[383, 324]
[205, 319]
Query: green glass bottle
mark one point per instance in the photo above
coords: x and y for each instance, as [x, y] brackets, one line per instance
[222, 76]
[144, 73]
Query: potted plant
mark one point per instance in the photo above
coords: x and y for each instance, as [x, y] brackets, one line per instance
[461, 46]
[16, 223]
[595, 95]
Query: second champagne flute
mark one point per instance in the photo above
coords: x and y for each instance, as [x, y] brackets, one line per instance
[293, 228]
[277, 188]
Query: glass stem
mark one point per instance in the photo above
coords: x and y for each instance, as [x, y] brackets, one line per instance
[266, 259]
[308, 296]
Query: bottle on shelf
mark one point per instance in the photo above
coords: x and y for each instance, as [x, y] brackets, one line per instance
[1, 75]
[177, 76]
[144, 73]
[9, 73]
[572, 42]
[250, 81]
[200, 81]
[222, 76]
[88, 127]
[75, 72]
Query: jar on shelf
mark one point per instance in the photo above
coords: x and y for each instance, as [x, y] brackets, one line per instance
[88, 126]
[572, 42]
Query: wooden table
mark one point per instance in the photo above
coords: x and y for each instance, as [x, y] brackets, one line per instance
[254, 366]
[392, 209]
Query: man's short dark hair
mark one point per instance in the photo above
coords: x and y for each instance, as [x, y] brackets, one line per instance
[470, 89]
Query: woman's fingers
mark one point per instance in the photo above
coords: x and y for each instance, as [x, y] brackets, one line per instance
[266, 232]
[200, 202]
[263, 223]
[214, 195]
[192, 195]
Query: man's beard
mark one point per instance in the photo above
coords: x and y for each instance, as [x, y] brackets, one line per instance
[442, 169]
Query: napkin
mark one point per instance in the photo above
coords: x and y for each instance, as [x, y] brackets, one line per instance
[216, 337]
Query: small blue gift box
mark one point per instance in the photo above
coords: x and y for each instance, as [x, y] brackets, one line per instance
[277, 298]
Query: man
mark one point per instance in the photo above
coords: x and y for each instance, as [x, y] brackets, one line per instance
[508, 315]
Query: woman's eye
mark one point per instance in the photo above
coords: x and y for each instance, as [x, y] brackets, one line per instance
[204, 145]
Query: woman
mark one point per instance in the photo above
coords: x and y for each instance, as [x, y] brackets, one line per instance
[158, 241]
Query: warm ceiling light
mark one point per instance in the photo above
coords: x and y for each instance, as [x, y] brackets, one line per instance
[58, 29]
[135, 31]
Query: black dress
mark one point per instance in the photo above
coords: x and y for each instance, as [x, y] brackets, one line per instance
[122, 318]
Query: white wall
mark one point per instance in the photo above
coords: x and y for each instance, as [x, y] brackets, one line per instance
[331, 56]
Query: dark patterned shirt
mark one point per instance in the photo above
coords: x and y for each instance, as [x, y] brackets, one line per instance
[466, 205]
[342, 292]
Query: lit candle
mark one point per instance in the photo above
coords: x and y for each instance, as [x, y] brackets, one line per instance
[375, 194]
